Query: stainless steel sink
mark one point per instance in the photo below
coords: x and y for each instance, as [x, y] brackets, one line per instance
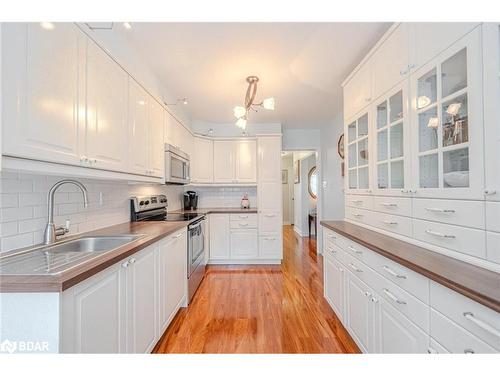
[59, 257]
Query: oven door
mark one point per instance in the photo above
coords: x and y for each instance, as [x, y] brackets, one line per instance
[176, 169]
[196, 250]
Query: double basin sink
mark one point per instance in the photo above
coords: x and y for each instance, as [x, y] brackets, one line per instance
[59, 257]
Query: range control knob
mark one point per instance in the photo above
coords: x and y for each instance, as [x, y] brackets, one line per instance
[141, 203]
[146, 203]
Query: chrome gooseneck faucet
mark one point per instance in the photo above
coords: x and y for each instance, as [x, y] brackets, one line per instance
[51, 232]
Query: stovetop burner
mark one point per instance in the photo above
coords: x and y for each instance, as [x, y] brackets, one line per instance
[180, 217]
[154, 208]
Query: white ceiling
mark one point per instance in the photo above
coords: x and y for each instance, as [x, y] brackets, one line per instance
[301, 64]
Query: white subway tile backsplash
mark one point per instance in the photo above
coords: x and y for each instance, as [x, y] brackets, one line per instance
[15, 214]
[224, 196]
[17, 241]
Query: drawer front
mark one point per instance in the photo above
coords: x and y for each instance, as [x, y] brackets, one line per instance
[336, 252]
[358, 268]
[243, 216]
[391, 205]
[270, 247]
[493, 247]
[493, 216]
[464, 240]
[454, 338]
[398, 224]
[359, 215]
[464, 213]
[270, 222]
[472, 316]
[359, 201]
[251, 222]
[437, 348]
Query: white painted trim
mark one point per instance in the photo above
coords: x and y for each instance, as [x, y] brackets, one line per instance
[244, 261]
[297, 230]
[224, 138]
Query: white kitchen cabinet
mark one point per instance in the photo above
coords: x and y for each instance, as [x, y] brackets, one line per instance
[447, 123]
[106, 107]
[41, 71]
[138, 126]
[202, 161]
[358, 90]
[270, 246]
[269, 158]
[235, 161]
[220, 244]
[358, 144]
[156, 160]
[177, 135]
[334, 285]
[244, 244]
[390, 63]
[246, 161]
[224, 162]
[172, 277]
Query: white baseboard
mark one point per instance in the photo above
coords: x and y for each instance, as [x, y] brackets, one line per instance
[245, 261]
[297, 230]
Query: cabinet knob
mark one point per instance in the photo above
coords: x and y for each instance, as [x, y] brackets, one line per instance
[125, 264]
[132, 260]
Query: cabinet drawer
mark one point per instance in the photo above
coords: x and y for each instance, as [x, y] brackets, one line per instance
[392, 223]
[493, 247]
[243, 216]
[359, 215]
[464, 213]
[359, 201]
[493, 216]
[464, 240]
[472, 316]
[454, 338]
[391, 205]
[243, 223]
[335, 252]
[357, 268]
[270, 247]
[436, 348]
[270, 222]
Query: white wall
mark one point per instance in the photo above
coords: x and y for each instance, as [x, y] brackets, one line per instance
[287, 164]
[301, 139]
[214, 196]
[303, 202]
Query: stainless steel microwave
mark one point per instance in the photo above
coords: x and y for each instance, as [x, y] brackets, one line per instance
[176, 166]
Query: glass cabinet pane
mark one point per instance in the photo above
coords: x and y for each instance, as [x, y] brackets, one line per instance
[363, 152]
[455, 121]
[363, 126]
[396, 107]
[382, 175]
[427, 89]
[456, 168]
[351, 132]
[454, 73]
[352, 156]
[363, 177]
[397, 140]
[397, 174]
[428, 165]
[353, 179]
[382, 145]
[428, 124]
[381, 115]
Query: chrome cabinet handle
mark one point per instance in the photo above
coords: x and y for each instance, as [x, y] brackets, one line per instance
[389, 204]
[355, 268]
[368, 294]
[179, 235]
[437, 234]
[393, 273]
[270, 238]
[446, 211]
[243, 216]
[393, 297]
[356, 251]
[357, 201]
[490, 192]
[125, 264]
[468, 351]
[269, 215]
[389, 222]
[132, 260]
[470, 316]
[243, 224]
[357, 215]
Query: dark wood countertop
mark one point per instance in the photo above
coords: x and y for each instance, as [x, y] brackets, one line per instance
[152, 231]
[474, 282]
[219, 210]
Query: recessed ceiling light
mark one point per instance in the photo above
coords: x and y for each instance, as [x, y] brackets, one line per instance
[47, 25]
[127, 25]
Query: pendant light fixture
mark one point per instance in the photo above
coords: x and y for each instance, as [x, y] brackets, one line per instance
[241, 112]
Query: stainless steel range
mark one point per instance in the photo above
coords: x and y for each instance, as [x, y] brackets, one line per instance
[154, 208]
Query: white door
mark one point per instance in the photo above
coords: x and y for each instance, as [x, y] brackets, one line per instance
[447, 123]
[141, 301]
[156, 146]
[224, 162]
[219, 236]
[41, 73]
[138, 128]
[202, 161]
[246, 161]
[269, 159]
[334, 285]
[397, 334]
[244, 244]
[106, 125]
[93, 314]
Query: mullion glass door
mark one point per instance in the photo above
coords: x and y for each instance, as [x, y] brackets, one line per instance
[358, 155]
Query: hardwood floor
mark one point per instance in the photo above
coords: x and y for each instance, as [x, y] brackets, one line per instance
[261, 309]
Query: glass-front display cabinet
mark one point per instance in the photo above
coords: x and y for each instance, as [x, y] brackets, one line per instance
[392, 146]
[358, 156]
[447, 128]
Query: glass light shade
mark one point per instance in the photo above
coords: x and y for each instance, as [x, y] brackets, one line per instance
[241, 123]
[433, 123]
[454, 108]
[127, 25]
[47, 25]
[239, 112]
[423, 101]
[268, 104]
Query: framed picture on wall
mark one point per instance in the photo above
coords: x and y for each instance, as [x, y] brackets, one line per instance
[284, 176]
[296, 172]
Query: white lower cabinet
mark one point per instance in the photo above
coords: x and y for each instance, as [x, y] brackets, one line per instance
[244, 244]
[219, 237]
[334, 285]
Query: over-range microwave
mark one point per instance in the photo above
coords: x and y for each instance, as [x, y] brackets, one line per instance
[176, 166]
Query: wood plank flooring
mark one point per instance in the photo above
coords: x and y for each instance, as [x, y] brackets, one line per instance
[261, 309]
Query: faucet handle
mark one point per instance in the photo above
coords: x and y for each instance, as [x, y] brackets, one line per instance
[66, 226]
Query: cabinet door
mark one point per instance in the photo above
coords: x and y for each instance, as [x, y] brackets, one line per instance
[106, 125]
[244, 244]
[270, 197]
[138, 102]
[391, 60]
[40, 70]
[93, 314]
[224, 162]
[246, 161]
[447, 108]
[360, 313]
[202, 161]
[397, 334]
[219, 236]
[141, 301]
[156, 146]
[357, 91]
[358, 154]
[270, 246]
[187, 140]
[269, 159]
[392, 151]
[334, 285]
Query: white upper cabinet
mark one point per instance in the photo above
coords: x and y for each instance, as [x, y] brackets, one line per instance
[40, 70]
[156, 147]
[358, 154]
[202, 161]
[224, 162]
[178, 136]
[246, 161]
[235, 161]
[106, 105]
[391, 61]
[138, 103]
[269, 158]
[447, 117]
[358, 90]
